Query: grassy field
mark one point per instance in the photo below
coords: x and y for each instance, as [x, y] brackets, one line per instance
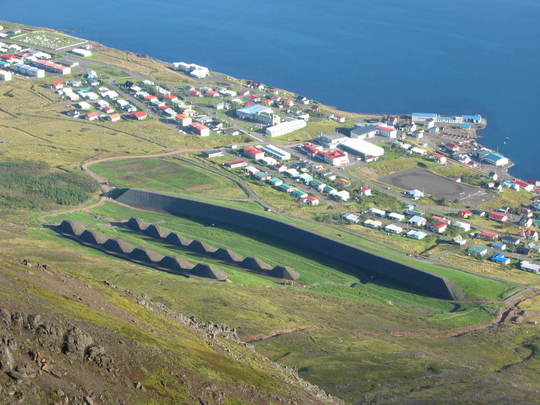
[314, 128]
[168, 175]
[385, 167]
[356, 365]
[34, 127]
[467, 175]
[510, 198]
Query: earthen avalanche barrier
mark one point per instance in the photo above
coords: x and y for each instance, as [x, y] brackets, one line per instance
[125, 250]
[418, 280]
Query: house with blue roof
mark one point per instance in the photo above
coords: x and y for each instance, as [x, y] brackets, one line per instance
[500, 258]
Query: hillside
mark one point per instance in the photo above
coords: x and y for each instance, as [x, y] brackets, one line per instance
[84, 323]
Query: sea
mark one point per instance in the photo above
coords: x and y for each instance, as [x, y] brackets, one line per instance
[384, 56]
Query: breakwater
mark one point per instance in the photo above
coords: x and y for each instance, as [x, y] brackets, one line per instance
[418, 280]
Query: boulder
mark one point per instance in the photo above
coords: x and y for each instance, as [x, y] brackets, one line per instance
[76, 341]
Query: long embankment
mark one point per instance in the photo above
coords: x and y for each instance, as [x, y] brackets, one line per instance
[413, 278]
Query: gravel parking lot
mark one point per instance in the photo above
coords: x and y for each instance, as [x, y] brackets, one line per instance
[437, 186]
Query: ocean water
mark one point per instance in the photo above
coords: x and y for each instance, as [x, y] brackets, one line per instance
[391, 56]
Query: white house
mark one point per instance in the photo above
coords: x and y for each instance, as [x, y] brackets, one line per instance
[370, 223]
[393, 229]
[418, 235]
[389, 132]
[530, 267]
[418, 221]
[462, 225]
[377, 212]
[396, 217]
[352, 218]
[415, 194]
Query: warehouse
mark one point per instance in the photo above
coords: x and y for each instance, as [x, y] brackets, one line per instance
[85, 53]
[366, 150]
[276, 152]
[52, 67]
[285, 127]
[492, 158]
[258, 113]
[363, 131]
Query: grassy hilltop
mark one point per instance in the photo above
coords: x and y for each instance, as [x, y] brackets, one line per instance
[362, 340]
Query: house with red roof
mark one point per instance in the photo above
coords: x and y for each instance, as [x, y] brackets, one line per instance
[183, 120]
[138, 115]
[237, 164]
[335, 157]
[113, 117]
[211, 93]
[530, 234]
[310, 200]
[288, 102]
[57, 85]
[465, 213]
[491, 236]
[92, 116]
[253, 153]
[442, 219]
[200, 129]
[497, 216]
[439, 227]
[384, 130]
[441, 159]
[524, 185]
[365, 191]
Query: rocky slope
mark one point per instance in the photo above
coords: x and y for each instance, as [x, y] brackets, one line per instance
[65, 341]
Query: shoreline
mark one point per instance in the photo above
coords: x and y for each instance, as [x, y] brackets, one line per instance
[71, 32]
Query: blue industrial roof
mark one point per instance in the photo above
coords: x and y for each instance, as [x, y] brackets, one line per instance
[466, 126]
[253, 109]
[475, 117]
[494, 156]
[427, 115]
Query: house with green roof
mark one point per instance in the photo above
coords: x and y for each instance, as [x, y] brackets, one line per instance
[477, 251]
[275, 181]
[299, 194]
[286, 188]
[262, 176]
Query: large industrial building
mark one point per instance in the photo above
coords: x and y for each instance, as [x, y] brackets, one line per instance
[276, 152]
[285, 127]
[449, 119]
[366, 150]
[52, 67]
[258, 113]
[363, 131]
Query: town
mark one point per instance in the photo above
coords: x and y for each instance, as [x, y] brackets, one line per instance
[419, 176]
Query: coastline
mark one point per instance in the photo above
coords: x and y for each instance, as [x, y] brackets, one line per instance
[353, 114]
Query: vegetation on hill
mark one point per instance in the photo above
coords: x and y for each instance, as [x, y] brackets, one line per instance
[35, 185]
